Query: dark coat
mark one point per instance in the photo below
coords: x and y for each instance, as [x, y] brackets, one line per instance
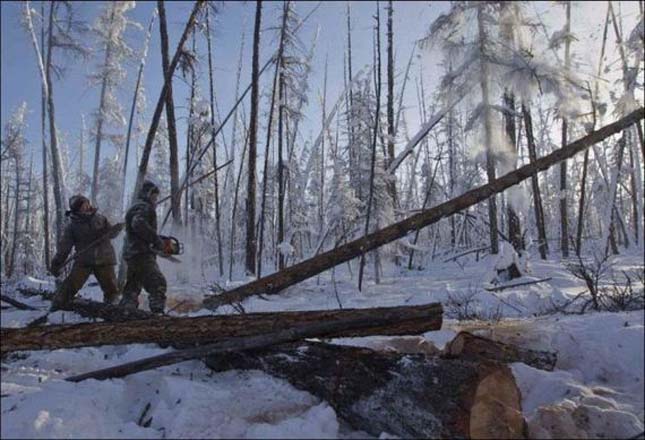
[81, 230]
[141, 228]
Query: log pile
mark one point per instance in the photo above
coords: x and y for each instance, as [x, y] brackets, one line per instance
[411, 396]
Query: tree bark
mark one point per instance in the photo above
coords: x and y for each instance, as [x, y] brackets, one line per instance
[251, 242]
[514, 227]
[43, 115]
[408, 395]
[467, 346]
[402, 320]
[175, 200]
[488, 130]
[390, 101]
[218, 231]
[564, 218]
[276, 282]
[57, 168]
[377, 117]
[543, 245]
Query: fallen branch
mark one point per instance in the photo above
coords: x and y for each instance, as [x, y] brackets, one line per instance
[401, 320]
[16, 304]
[315, 330]
[523, 283]
[470, 251]
[278, 281]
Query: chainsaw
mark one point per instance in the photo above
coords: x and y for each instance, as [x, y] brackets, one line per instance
[171, 246]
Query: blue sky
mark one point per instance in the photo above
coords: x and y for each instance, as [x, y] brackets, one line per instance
[73, 96]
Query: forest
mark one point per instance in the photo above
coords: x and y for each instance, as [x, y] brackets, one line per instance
[372, 219]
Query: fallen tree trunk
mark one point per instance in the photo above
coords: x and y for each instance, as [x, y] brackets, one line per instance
[278, 281]
[311, 330]
[411, 396]
[402, 320]
[471, 347]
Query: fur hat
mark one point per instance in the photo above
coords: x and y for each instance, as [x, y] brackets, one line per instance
[75, 202]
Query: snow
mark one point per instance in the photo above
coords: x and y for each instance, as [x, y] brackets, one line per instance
[595, 390]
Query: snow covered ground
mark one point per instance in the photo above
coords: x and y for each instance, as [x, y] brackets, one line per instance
[596, 390]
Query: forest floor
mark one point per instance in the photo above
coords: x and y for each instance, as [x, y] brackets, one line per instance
[596, 390]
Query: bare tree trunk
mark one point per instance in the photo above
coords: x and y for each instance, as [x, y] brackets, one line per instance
[251, 244]
[43, 115]
[390, 102]
[57, 171]
[490, 163]
[147, 148]
[265, 172]
[220, 257]
[133, 108]
[281, 92]
[305, 269]
[564, 218]
[16, 217]
[175, 200]
[514, 227]
[377, 117]
[99, 122]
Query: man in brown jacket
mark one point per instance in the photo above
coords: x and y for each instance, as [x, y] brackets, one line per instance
[90, 234]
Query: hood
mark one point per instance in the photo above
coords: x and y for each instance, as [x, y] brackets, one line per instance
[146, 190]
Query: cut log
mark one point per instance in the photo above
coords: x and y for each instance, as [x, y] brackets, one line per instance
[278, 281]
[411, 396]
[310, 330]
[471, 347]
[403, 320]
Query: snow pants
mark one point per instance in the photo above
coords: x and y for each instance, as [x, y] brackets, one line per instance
[76, 279]
[143, 272]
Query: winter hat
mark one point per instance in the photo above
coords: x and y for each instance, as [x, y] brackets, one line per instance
[75, 202]
[148, 188]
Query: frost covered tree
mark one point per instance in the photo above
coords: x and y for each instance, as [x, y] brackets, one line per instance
[64, 33]
[110, 28]
[485, 42]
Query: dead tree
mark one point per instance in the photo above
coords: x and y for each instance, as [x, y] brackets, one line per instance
[390, 99]
[543, 246]
[401, 320]
[220, 257]
[488, 127]
[408, 395]
[152, 131]
[377, 117]
[305, 269]
[564, 218]
[175, 200]
[251, 242]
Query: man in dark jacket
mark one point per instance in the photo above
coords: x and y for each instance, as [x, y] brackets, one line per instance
[90, 234]
[141, 242]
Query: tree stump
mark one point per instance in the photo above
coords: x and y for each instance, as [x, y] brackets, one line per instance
[410, 396]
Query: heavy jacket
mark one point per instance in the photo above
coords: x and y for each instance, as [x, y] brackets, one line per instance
[141, 228]
[81, 230]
